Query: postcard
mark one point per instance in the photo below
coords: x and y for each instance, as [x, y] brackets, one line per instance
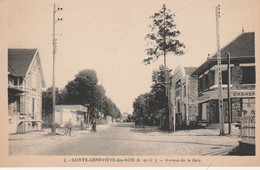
[127, 83]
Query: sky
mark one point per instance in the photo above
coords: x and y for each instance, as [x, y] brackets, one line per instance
[108, 36]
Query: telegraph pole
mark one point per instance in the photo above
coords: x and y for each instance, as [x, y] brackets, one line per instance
[54, 42]
[220, 92]
[228, 95]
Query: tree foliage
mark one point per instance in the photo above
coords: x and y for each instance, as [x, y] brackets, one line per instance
[149, 107]
[84, 89]
[47, 100]
[163, 36]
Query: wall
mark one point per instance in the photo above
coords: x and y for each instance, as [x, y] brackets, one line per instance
[62, 116]
[236, 77]
[192, 95]
[12, 124]
[109, 119]
[33, 92]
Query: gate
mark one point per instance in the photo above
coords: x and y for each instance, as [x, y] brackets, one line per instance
[248, 127]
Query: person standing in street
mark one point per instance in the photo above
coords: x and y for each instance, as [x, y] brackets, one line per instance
[93, 129]
[69, 126]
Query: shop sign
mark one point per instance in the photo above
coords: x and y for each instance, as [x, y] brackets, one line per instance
[243, 94]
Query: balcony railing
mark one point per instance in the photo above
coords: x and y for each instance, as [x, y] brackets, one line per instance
[22, 88]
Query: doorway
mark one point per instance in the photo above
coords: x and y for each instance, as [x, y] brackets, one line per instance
[204, 111]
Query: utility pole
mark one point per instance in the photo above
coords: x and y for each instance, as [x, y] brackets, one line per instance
[220, 92]
[228, 95]
[53, 129]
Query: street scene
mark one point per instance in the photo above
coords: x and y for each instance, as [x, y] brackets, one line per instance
[122, 78]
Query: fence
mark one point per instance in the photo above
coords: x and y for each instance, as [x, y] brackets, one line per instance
[248, 127]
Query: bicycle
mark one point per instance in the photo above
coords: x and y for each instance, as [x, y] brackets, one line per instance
[65, 131]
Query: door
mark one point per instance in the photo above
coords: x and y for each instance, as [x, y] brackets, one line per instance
[204, 111]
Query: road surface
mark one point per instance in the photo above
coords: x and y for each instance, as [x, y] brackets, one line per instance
[131, 140]
[127, 139]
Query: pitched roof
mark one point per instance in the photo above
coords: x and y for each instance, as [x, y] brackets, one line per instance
[11, 71]
[190, 70]
[20, 59]
[241, 49]
[242, 46]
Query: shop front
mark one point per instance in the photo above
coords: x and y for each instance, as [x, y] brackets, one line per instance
[242, 102]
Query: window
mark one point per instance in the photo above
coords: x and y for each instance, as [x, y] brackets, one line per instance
[211, 78]
[184, 90]
[178, 106]
[20, 80]
[205, 82]
[33, 108]
[224, 77]
[15, 81]
[200, 84]
[177, 88]
[184, 109]
[248, 75]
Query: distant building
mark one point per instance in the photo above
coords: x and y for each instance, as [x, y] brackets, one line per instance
[109, 119]
[184, 96]
[242, 54]
[77, 113]
[25, 83]
[124, 117]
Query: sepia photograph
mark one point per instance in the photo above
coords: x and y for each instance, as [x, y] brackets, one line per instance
[129, 83]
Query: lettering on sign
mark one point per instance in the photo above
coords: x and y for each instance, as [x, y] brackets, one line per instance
[243, 94]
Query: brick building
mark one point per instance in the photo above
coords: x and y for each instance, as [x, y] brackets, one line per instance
[242, 58]
[25, 83]
[183, 96]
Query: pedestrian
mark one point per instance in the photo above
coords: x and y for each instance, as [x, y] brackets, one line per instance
[93, 125]
[69, 126]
